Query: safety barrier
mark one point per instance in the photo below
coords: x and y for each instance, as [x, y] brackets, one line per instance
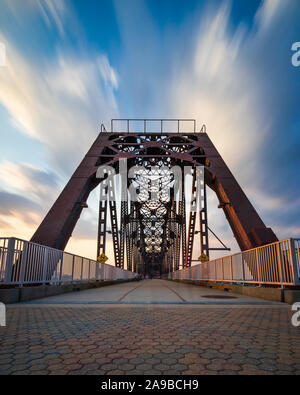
[23, 262]
[139, 125]
[274, 264]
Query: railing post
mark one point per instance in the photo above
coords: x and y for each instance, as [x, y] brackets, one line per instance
[257, 265]
[231, 270]
[280, 269]
[294, 263]
[98, 272]
[45, 265]
[9, 260]
[243, 268]
[81, 274]
[215, 269]
[61, 267]
[73, 262]
[223, 269]
[23, 262]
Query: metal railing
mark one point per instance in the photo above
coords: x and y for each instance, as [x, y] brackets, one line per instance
[138, 125]
[274, 264]
[23, 262]
[103, 128]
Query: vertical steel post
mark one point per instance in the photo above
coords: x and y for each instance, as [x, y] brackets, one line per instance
[73, 263]
[243, 268]
[23, 263]
[9, 260]
[45, 263]
[203, 220]
[279, 264]
[192, 222]
[294, 264]
[102, 222]
[223, 274]
[61, 267]
[258, 268]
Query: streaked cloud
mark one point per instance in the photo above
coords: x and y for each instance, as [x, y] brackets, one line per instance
[35, 183]
[53, 12]
[61, 104]
[26, 194]
[268, 10]
[19, 207]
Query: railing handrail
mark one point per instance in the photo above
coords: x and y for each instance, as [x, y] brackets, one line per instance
[147, 120]
[103, 128]
[280, 267]
[251, 249]
[22, 255]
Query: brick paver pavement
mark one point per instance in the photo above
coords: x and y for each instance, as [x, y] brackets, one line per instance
[149, 339]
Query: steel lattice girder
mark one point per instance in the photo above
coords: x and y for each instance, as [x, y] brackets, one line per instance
[151, 149]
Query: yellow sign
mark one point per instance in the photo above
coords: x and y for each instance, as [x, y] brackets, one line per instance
[102, 258]
[203, 258]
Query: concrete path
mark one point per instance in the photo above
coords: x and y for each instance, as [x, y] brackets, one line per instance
[152, 292]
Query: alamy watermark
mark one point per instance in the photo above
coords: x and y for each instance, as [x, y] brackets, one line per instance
[296, 315]
[296, 56]
[2, 314]
[152, 183]
[2, 55]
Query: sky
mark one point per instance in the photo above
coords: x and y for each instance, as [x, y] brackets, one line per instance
[72, 65]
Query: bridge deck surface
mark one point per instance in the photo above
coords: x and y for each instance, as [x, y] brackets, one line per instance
[153, 292]
[147, 328]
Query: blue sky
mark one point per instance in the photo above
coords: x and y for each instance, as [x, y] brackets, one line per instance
[72, 65]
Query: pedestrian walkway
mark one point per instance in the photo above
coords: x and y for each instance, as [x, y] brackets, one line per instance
[149, 327]
[152, 292]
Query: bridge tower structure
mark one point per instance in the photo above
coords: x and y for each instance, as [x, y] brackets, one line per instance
[152, 218]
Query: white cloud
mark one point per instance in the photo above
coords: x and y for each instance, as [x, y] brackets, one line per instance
[61, 104]
[268, 10]
[107, 72]
[53, 12]
[217, 88]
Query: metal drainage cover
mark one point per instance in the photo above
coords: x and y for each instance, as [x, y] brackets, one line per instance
[218, 297]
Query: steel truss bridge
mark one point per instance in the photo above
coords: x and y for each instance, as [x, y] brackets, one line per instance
[152, 220]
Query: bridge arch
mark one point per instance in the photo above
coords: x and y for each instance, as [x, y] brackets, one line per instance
[180, 149]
